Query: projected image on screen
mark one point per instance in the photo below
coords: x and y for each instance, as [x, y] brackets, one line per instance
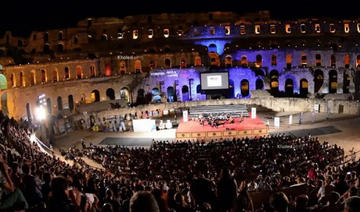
[213, 81]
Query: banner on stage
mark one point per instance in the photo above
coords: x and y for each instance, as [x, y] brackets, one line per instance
[277, 122]
[185, 116]
[144, 125]
[253, 112]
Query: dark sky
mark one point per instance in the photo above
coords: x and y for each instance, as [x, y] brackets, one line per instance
[30, 15]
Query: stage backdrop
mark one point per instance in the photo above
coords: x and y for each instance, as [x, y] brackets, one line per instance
[144, 125]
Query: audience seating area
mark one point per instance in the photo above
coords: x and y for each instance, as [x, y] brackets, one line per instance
[271, 173]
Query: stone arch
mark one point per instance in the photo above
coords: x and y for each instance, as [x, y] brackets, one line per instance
[346, 83]
[60, 47]
[95, 96]
[43, 76]
[122, 67]
[214, 59]
[92, 71]
[125, 94]
[273, 60]
[332, 81]
[71, 102]
[22, 79]
[244, 88]
[318, 80]
[66, 73]
[304, 87]
[137, 66]
[197, 61]
[258, 61]
[59, 103]
[140, 98]
[79, 72]
[244, 61]
[228, 60]
[289, 87]
[333, 60]
[55, 75]
[12, 80]
[259, 84]
[108, 71]
[32, 78]
[3, 82]
[110, 94]
[212, 48]
[4, 107]
[155, 95]
[357, 61]
[185, 93]
[167, 63]
[170, 94]
[274, 82]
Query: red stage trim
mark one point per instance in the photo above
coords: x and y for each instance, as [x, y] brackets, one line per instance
[248, 127]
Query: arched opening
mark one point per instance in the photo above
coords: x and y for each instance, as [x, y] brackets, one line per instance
[289, 87]
[155, 94]
[231, 91]
[244, 61]
[212, 48]
[48, 104]
[288, 61]
[12, 80]
[170, 94]
[125, 94]
[3, 82]
[244, 87]
[198, 89]
[258, 62]
[43, 76]
[228, 61]
[59, 103]
[332, 81]
[167, 63]
[122, 67]
[79, 72]
[185, 93]
[108, 71]
[318, 60]
[95, 96]
[55, 76]
[183, 63]
[60, 35]
[92, 71]
[357, 61]
[32, 78]
[46, 49]
[333, 60]
[110, 94]
[197, 61]
[28, 111]
[71, 102]
[22, 81]
[60, 47]
[346, 83]
[304, 86]
[214, 59]
[67, 73]
[318, 80]
[4, 107]
[140, 99]
[303, 60]
[273, 60]
[274, 82]
[259, 84]
[137, 66]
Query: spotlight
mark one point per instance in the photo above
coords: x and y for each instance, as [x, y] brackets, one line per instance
[40, 113]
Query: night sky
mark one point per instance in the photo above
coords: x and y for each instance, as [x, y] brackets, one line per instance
[27, 15]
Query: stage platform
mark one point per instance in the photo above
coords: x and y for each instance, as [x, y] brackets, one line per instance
[247, 128]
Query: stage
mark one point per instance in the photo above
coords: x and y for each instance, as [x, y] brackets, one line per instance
[192, 129]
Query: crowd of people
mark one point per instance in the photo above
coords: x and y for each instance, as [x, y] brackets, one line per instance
[271, 173]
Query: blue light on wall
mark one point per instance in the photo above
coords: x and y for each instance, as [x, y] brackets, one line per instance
[220, 44]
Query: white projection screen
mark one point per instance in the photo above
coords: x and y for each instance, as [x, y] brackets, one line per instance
[213, 81]
[144, 125]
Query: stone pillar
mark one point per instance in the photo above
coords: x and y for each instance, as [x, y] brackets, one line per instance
[340, 81]
[325, 87]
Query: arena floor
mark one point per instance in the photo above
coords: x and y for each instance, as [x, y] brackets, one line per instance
[337, 129]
